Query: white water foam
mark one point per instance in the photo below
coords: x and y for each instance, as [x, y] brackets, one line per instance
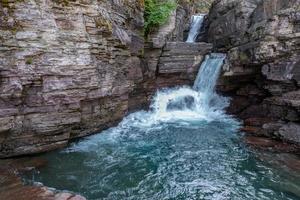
[183, 105]
[180, 105]
[198, 103]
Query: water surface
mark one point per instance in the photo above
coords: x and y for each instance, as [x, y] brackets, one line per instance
[168, 153]
[185, 147]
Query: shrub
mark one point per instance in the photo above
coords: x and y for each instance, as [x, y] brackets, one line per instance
[157, 12]
[29, 61]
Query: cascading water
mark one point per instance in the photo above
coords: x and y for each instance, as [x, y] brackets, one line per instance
[199, 102]
[209, 73]
[206, 81]
[197, 21]
[185, 147]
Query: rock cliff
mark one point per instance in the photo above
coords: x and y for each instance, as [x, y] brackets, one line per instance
[167, 57]
[66, 69]
[262, 39]
[72, 68]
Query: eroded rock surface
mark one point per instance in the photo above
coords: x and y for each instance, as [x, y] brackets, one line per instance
[262, 39]
[12, 186]
[66, 69]
[72, 68]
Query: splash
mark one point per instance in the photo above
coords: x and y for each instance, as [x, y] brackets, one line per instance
[180, 105]
[198, 103]
[185, 104]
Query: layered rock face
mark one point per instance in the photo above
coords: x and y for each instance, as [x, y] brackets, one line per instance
[72, 68]
[168, 60]
[262, 39]
[67, 69]
[167, 57]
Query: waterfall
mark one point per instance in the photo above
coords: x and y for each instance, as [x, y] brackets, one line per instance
[185, 104]
[197, 21]
[199, 102]
[207, 77]
[179, 105]
[209, 73]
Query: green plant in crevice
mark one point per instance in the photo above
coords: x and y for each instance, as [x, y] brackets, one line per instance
[29, 61]
[157, 12]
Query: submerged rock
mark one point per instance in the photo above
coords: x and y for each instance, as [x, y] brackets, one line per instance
[12, 186]
[181, 103]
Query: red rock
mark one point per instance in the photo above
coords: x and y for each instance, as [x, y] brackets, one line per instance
[12, 187]
[251, 129]
[270, 144]
[257, 121]
[260, 141]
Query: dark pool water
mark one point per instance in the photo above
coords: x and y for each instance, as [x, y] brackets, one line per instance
[169, 160]
[185, 147]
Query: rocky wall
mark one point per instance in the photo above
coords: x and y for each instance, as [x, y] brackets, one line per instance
[71, 68]
[262, 39]
[67, 69]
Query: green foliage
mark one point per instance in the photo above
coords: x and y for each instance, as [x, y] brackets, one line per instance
[157, 12]
[29, 61]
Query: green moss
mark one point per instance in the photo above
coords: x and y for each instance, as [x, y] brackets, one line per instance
[5, 3]
[29, 61]
[9, 3]
[10, 6]
[243, 57]
[157, 13]
[101, 22]
[62, 2]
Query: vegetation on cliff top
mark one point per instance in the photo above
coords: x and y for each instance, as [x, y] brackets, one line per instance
[157, 13]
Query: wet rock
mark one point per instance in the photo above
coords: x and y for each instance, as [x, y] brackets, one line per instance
[238, 104]
[67, 196]
[262, 41]
[291, 99]
[251, 129]
[257, 121]
[268, 144]
[181, 103]
[290, 132]
[277, 88]
[12, 186]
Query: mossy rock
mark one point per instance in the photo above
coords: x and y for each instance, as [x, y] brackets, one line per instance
[104, 23]
[63, 2]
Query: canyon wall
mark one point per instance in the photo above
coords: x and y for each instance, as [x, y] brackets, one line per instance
[73, 68]
[167, 56]
[66, 69]
[262, 74]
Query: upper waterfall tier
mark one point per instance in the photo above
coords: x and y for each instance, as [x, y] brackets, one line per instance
[197, 22]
